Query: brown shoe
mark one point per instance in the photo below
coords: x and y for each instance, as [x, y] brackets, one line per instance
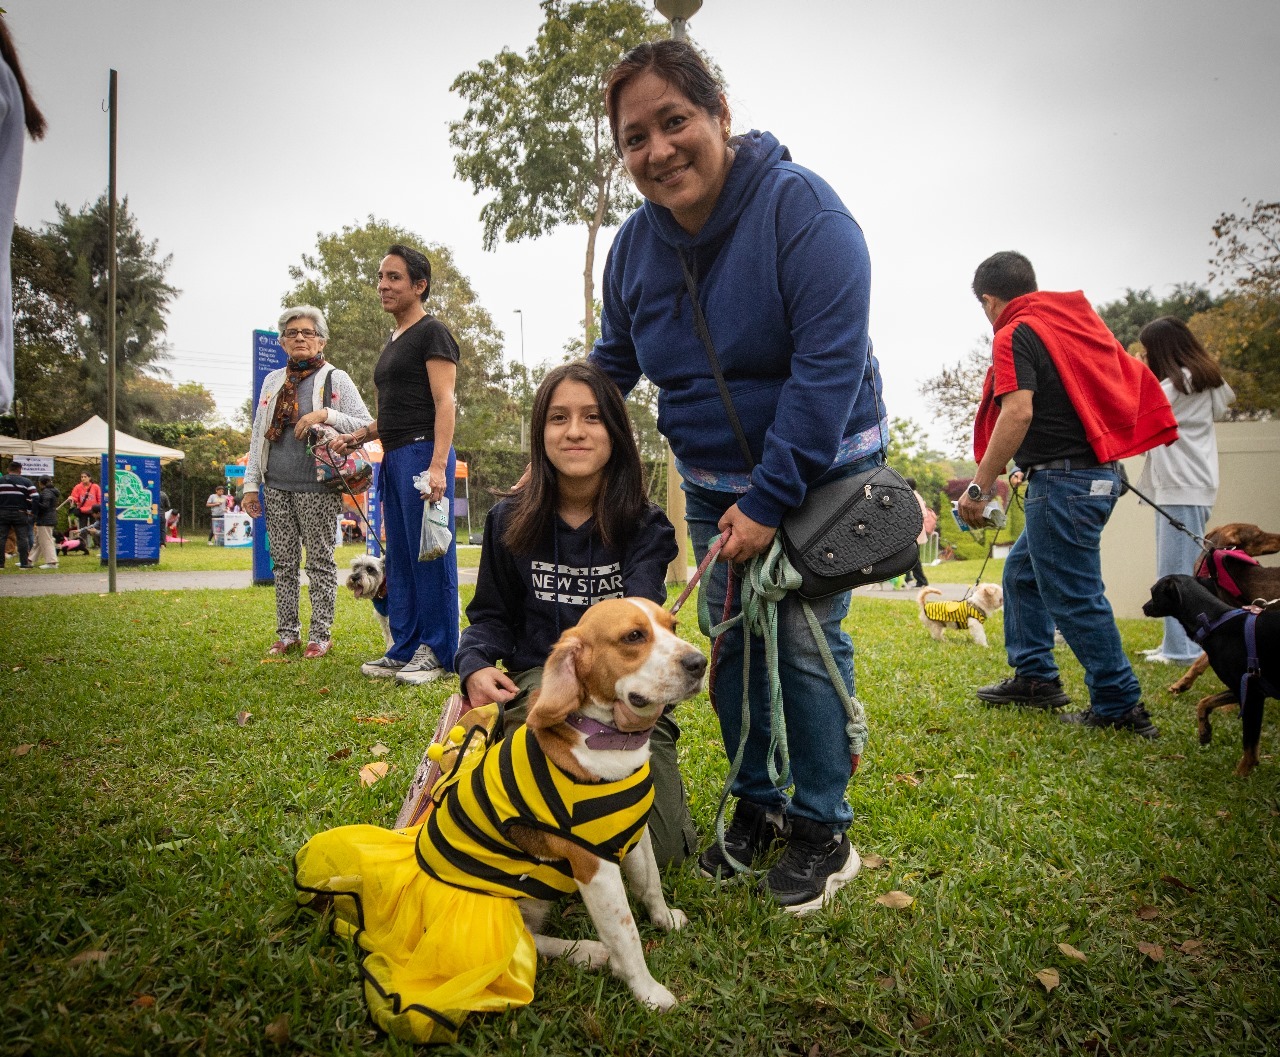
[281, 646]
[315, 649]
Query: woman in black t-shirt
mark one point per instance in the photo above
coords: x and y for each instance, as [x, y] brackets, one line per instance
[415, 378]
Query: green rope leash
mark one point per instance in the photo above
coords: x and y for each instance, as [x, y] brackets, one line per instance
[766, 582]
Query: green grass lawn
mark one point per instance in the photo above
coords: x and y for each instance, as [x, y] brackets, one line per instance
[146, 842]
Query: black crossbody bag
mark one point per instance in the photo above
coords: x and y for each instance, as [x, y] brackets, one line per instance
[860, 529]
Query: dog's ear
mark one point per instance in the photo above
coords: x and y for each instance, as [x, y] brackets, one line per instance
[562, 691]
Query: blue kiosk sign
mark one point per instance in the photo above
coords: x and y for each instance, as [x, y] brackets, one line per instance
[137, 526]
[268, 356]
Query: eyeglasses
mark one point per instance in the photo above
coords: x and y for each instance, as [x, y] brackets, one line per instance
[294, 332]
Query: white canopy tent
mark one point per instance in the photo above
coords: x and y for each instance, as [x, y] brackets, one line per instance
[88, 441]
[14, 446]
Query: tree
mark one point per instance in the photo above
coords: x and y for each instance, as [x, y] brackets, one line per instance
[339, 278]
[1128, 315]
[535, 130]
[48, 396]
[910, 455]
[954, 393]
[161, 401]
[78, 242]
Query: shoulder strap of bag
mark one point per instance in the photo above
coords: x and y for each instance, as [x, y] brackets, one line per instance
[700, 325]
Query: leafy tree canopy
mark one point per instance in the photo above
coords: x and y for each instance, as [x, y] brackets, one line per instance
[535, 132]
[78, 243]
[1128, 315]
[161, 401]
[340, 279]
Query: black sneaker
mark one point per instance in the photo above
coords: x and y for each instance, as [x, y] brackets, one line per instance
[754, 830]
[1135, 721]
[814, 867]
[1030, 693]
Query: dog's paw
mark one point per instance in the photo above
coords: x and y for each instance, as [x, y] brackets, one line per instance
[655, 996]
[672, 920]
[1204, 731]
[1180, 687]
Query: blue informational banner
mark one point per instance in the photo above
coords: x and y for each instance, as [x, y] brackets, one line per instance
[137, 485]
[373, 507]
[268, 356]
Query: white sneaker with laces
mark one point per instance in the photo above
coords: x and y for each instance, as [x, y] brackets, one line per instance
[383, 668]
[424, 667]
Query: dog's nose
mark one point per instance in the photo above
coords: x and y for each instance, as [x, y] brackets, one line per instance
[694, 664]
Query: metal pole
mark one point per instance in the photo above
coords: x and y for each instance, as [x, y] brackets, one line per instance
[524, 381]
[111, 340]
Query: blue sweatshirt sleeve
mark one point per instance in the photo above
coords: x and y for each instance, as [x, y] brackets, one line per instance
[492, 622]
[824, 272]
[644, 566]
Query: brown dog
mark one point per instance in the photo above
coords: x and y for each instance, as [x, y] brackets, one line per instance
[1256, 582]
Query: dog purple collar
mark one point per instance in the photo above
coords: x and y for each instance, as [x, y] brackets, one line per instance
[602, 736]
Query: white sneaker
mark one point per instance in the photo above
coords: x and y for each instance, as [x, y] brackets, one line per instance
[423, 668]
[49, 565]
[383, 668]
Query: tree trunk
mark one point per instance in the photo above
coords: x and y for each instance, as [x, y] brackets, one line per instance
[588, 282]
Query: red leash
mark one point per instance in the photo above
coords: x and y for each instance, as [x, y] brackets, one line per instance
[703, 566]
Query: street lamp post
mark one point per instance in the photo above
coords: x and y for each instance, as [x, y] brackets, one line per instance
[678, 13]
[524, 379]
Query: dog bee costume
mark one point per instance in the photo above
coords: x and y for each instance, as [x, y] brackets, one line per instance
[956, 614]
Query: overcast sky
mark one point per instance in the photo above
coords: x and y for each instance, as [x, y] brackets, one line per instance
[1100, 138]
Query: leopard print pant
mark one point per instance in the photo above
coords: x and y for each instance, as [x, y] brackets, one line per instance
[296, 520]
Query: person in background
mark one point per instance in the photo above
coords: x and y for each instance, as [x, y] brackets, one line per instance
[1182, 478]
[783, 277]
[217, 504]
[48, 499]
[86, 501]
[584, 508]
[17, 500]
[18, 115]
[1065, 400]
[301, 511]
[415, 377]
[917, 570]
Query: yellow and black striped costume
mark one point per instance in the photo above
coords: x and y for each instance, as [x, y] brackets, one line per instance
[957, 614]
[432, 908]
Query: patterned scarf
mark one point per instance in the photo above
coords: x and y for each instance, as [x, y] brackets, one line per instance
[287, 401]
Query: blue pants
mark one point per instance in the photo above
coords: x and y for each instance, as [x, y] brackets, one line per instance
[1053, 575]
[422, 597]
[815, 716]
[1176, 552]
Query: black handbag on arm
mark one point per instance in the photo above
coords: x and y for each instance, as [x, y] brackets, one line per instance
[860, 529]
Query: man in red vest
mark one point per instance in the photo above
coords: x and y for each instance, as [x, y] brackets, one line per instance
[1065, 401]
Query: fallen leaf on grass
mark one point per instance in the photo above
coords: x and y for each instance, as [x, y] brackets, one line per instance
[378, 750]
[1190, 946]
[1224, 814]
[277, 1031]
[886, 983]
[143, 1002]
[873, 861]
[1152, 950]
[1048, 978]
[89, 956]
[935, 730]
[22, 750]
[341, 754]
[274, 660]
[895, 900]
[323, 690]
[1169, 879]
[910, 779]
[61, 1007]
[186, 623]
[1071, 952]
[1147, 913]
[375, 719]
[18, 668]
[963, 776]
[242, 718]
[920, 1021]
[372, 772]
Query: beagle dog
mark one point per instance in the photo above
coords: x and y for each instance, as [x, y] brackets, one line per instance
[570, 791]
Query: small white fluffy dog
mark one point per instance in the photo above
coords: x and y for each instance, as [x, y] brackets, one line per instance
[368, 580]
[968, 613]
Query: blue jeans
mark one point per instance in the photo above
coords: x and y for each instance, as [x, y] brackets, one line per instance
[815, 716]
[1176, 552]
[422, 597]
[1053, 575]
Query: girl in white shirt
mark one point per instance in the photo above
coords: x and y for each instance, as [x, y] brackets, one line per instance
[1183, 477]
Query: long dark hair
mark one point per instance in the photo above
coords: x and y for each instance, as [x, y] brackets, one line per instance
[620, 502]
[1170, 347]
[31, 113]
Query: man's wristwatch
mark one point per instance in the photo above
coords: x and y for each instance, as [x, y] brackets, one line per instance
[975, 494]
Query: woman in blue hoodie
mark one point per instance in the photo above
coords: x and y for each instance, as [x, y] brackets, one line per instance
[783, 277]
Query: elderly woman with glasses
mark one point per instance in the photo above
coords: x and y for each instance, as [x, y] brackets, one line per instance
[301, 512]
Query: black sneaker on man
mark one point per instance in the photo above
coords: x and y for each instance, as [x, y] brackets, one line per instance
[754, 830]
[814, 866]
[1135, 721]
[1029, 693]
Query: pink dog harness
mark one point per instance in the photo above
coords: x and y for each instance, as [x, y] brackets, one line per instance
[1213, 567]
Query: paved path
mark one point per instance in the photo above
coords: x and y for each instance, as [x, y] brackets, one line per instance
[14, 584]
